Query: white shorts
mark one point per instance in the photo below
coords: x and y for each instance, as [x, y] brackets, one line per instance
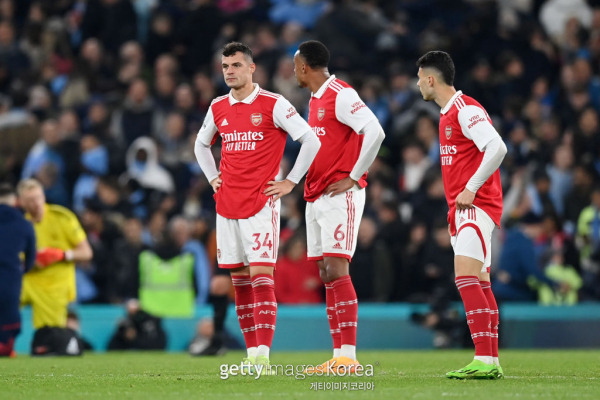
[251, 241]
[332, 224]
[473, 236]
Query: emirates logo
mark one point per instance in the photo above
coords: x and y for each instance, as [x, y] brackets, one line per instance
[448, 131]
[256, 119]
[321, 114]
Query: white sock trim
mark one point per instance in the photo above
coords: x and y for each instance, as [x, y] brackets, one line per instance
[486, 359]
[262, 350]
[252, 351]
[347, 350]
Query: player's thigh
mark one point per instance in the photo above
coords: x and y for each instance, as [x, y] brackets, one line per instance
[472, 240]
[230, 253]
[49, 305]
[260, 235]
[26, 290]
[339, 219]
[314, 248]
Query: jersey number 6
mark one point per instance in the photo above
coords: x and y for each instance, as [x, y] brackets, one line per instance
[339, 234]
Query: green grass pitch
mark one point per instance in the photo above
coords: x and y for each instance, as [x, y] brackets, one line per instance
[530, 374]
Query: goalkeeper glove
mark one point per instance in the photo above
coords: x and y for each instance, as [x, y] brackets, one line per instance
[49, 256]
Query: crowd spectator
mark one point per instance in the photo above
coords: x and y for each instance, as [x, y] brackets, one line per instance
[102, 99]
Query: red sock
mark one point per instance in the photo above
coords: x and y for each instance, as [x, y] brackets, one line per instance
[494, 315]
[334, 329]
[346, 307]
[265, 308]
[244, 306]
[6, 348]
[478, 313]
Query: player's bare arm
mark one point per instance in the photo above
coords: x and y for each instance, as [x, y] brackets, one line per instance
[279, 188]
[340, 186]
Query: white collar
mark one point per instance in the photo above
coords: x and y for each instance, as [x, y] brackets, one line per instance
[247, 100]
[449, 105]
[323, 87]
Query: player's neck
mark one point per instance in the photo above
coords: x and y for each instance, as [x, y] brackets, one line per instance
[444, 95]
[318, 81]
[243, 92]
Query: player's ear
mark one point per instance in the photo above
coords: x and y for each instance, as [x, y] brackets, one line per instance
[252, 67]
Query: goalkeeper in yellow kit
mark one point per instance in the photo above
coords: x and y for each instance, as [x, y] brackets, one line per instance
[61, 241]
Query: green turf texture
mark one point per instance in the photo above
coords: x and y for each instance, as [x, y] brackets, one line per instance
[539, 374]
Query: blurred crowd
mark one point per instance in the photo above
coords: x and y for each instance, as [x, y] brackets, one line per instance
[101, 100]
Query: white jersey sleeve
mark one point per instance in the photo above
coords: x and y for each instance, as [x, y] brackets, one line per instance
[202, 147]
[495, 150]
[351, 110]
[208, 129]
[476, 126]
[287, 118]
[373, 137]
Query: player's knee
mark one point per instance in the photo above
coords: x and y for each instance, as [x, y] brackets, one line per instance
[467, 266]
[323, 275]
[261, 270]
[336, 268]
[219, 285]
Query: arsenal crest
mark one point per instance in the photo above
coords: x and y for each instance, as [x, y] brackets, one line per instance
[321, 114]
[448, 131]
[256, 119]
[219, 254]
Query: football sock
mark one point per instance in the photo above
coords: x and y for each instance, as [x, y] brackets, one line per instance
[244, 307]
[220, 303]
[494, 316]
[346, 306]
[265, 310]
[333, 320]
[486, 359]
[478, 314]
[6, 348]
[262, 350]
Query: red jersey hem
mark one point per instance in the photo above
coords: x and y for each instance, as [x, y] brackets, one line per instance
[318, 258]
[232, 216]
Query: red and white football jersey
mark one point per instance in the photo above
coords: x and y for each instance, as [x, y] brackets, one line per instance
[336, 115]
[253, 134]
[465, 130]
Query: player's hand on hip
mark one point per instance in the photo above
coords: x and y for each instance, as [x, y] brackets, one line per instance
[279, 188]
[464, 200]
[340, 186]
[216, 183]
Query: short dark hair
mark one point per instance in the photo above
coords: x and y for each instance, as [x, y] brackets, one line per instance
[234, 47]
[441, 61]
[6, 189]
[315, 53]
